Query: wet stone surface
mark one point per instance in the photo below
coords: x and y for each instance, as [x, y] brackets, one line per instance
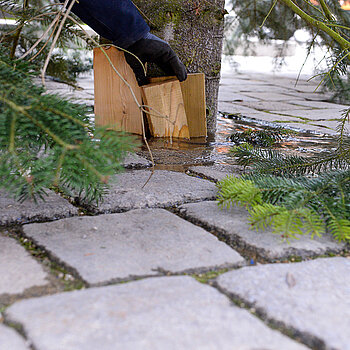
[234, 227]
[314, 114]
[310, 297]
[216, 172]
[271, 105]
[134, 161]
[18, 270]
[137, 243]
[165, 189]
[11, 340]
[14, 212]
[173, 313]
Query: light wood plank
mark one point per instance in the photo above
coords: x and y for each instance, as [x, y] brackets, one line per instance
[114, 104]
[167, 111]
[193, 92]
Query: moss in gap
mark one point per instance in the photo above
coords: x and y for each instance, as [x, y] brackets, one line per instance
[68, 281]
[295, 259]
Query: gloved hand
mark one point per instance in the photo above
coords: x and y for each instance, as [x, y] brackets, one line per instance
[153, 49]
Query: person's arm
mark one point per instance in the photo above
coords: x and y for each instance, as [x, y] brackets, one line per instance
[120, 22]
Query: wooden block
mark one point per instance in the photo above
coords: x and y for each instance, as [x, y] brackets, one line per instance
[114, 104]
[165, 103]
[193, 92]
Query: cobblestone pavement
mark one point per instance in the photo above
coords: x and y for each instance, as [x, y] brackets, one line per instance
[162, 267]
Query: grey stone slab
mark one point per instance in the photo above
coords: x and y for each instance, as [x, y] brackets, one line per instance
[165, 189]
[286, 82]
[234, 227]
[329, 124]
[269, 116]
[11, 340]
[134, 161]
[312, 127]
[305, 88]
[172, 313]
[237, 108]
[275, 117]
[142, 242]
[216, 172]
[267, 96]
[314, 114]
[234, 108]
[14, 212]
[311, 297]
[227, 95]
[273, 105]
[238, 87]
[237, 82]
[319, 104]
[316, 96]
[18, 270]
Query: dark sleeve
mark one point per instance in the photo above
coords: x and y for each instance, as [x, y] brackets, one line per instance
[115, 20]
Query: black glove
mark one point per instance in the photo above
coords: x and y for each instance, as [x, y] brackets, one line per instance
[158, 52]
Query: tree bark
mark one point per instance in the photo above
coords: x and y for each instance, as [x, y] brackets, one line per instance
[194, 29]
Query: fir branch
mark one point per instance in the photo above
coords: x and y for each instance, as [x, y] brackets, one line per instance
[293, 206]
[46, 141]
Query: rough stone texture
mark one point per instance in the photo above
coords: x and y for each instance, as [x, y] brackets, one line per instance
[137, 243]
[267, 96]
[10, 340]
[228, 95]
[319, 104]
[235, 108]
[18, 270]
[173, 313]
[273, 105]
[314, 114]
[311, 297]
[234, 226]
[315, 127]
[195, 32]
[325, 97]
[165, 189]
[216, 172]
[134, 161]
[54, 207]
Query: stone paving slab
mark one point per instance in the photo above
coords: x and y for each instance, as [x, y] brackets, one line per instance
[144, 242]
[234, 108]
[234, 227]
[237, 108]
[311, 297]
[227, 95]
[316, 96]
[237, 82]
[54, 207]
[134, 161]
[172, 313]
[216, 172]
[165, 189]
[274, 117]
[18, 270]
[267, 96]
[314, 114]
[319, 104]
[252, 88]
[316, 127]
[11, 340]
[272, 105]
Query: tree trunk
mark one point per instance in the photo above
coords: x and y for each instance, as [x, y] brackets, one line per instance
[194, 29]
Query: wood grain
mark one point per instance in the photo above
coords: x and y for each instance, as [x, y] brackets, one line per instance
[193, 92]
[167, 111]
[114, 104]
